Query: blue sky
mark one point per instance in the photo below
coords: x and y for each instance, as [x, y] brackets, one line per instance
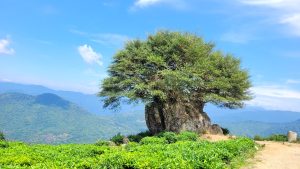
[68, 45]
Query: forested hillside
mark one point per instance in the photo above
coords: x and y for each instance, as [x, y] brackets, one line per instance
[48, 118]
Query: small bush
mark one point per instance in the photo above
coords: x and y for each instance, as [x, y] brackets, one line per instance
[2, 137]
[225, 131]
[277, 137]
[3, 144]
[102, 143]
[169, 136]
[137, 138]
[187, 136]
[274, 137]
[132, 146]
[153, 140]
[117, 139]
[258, 138]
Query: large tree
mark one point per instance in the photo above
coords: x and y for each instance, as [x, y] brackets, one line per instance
[175, 74]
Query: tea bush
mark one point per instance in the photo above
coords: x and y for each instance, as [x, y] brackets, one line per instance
[169, 136]
[139, 136]
[151, 152]
[187, 136]
[117, 139]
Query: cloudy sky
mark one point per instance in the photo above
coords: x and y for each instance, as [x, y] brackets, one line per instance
[68, 45]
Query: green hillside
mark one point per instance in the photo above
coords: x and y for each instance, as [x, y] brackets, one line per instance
[48, 118]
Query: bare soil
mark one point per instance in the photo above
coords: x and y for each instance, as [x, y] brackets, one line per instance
[212, 137]
[276, 155]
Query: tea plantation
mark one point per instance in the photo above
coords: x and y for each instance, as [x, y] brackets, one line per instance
[167, 150]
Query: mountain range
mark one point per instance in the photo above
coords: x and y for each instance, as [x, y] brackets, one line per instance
[34, 113]
[48, 118]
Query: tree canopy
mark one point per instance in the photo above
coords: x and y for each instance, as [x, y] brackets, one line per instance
[174, 66]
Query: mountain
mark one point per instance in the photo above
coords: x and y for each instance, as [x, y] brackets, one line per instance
[252, 128]
[94, 104]
[249, 113]
[48, 118]
[40, 114]
[89, 102]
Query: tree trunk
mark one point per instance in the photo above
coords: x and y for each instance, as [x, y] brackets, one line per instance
[177, 117]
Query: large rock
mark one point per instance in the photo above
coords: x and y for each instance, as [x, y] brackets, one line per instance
[177, 117]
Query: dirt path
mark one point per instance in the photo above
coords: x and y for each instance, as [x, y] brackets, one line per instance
[276, 155]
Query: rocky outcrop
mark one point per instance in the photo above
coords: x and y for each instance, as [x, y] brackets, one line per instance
[177, 117]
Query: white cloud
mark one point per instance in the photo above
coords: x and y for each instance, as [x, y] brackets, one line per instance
[177, 4]
[5, 80]
[237, 37]
[112, 39]
[292, 81]
[291, 4]
[103, 38]
[293, 21]
[285, 12]
[276, 98]
[5, 48]
[145, 3]
[276, 91]
[89, 55]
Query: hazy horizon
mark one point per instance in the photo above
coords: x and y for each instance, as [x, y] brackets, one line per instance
[68, 45]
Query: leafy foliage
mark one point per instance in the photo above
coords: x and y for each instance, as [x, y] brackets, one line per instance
[179, 155]
[153, 140]
[274, 137]
[2, 137]
[3, 144]
[187, 136]
[117, 139]
[139, 136]
[102, 143]
[225, 131]
[175, 66]
[169, 136]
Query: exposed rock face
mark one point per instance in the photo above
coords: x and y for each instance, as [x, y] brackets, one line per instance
[177, 117]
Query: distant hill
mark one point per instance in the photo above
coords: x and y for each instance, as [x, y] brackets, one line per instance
[94, 104]
[89, 102]
[38, 114]
[48, 118]
[252, 128]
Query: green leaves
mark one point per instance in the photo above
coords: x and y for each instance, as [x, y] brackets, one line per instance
[152, 152]
[174, 65]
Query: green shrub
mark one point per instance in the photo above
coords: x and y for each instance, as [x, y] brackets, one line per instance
[151, 152]
[258, 138]
[137, 138]
[117, 139]
[187, 136]
[132, 146]
[225, 131]
[3, 144]
[277, 137]
[274, 137]
[169, 136]
[102, 143]
[2, 137]
[153, 140]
